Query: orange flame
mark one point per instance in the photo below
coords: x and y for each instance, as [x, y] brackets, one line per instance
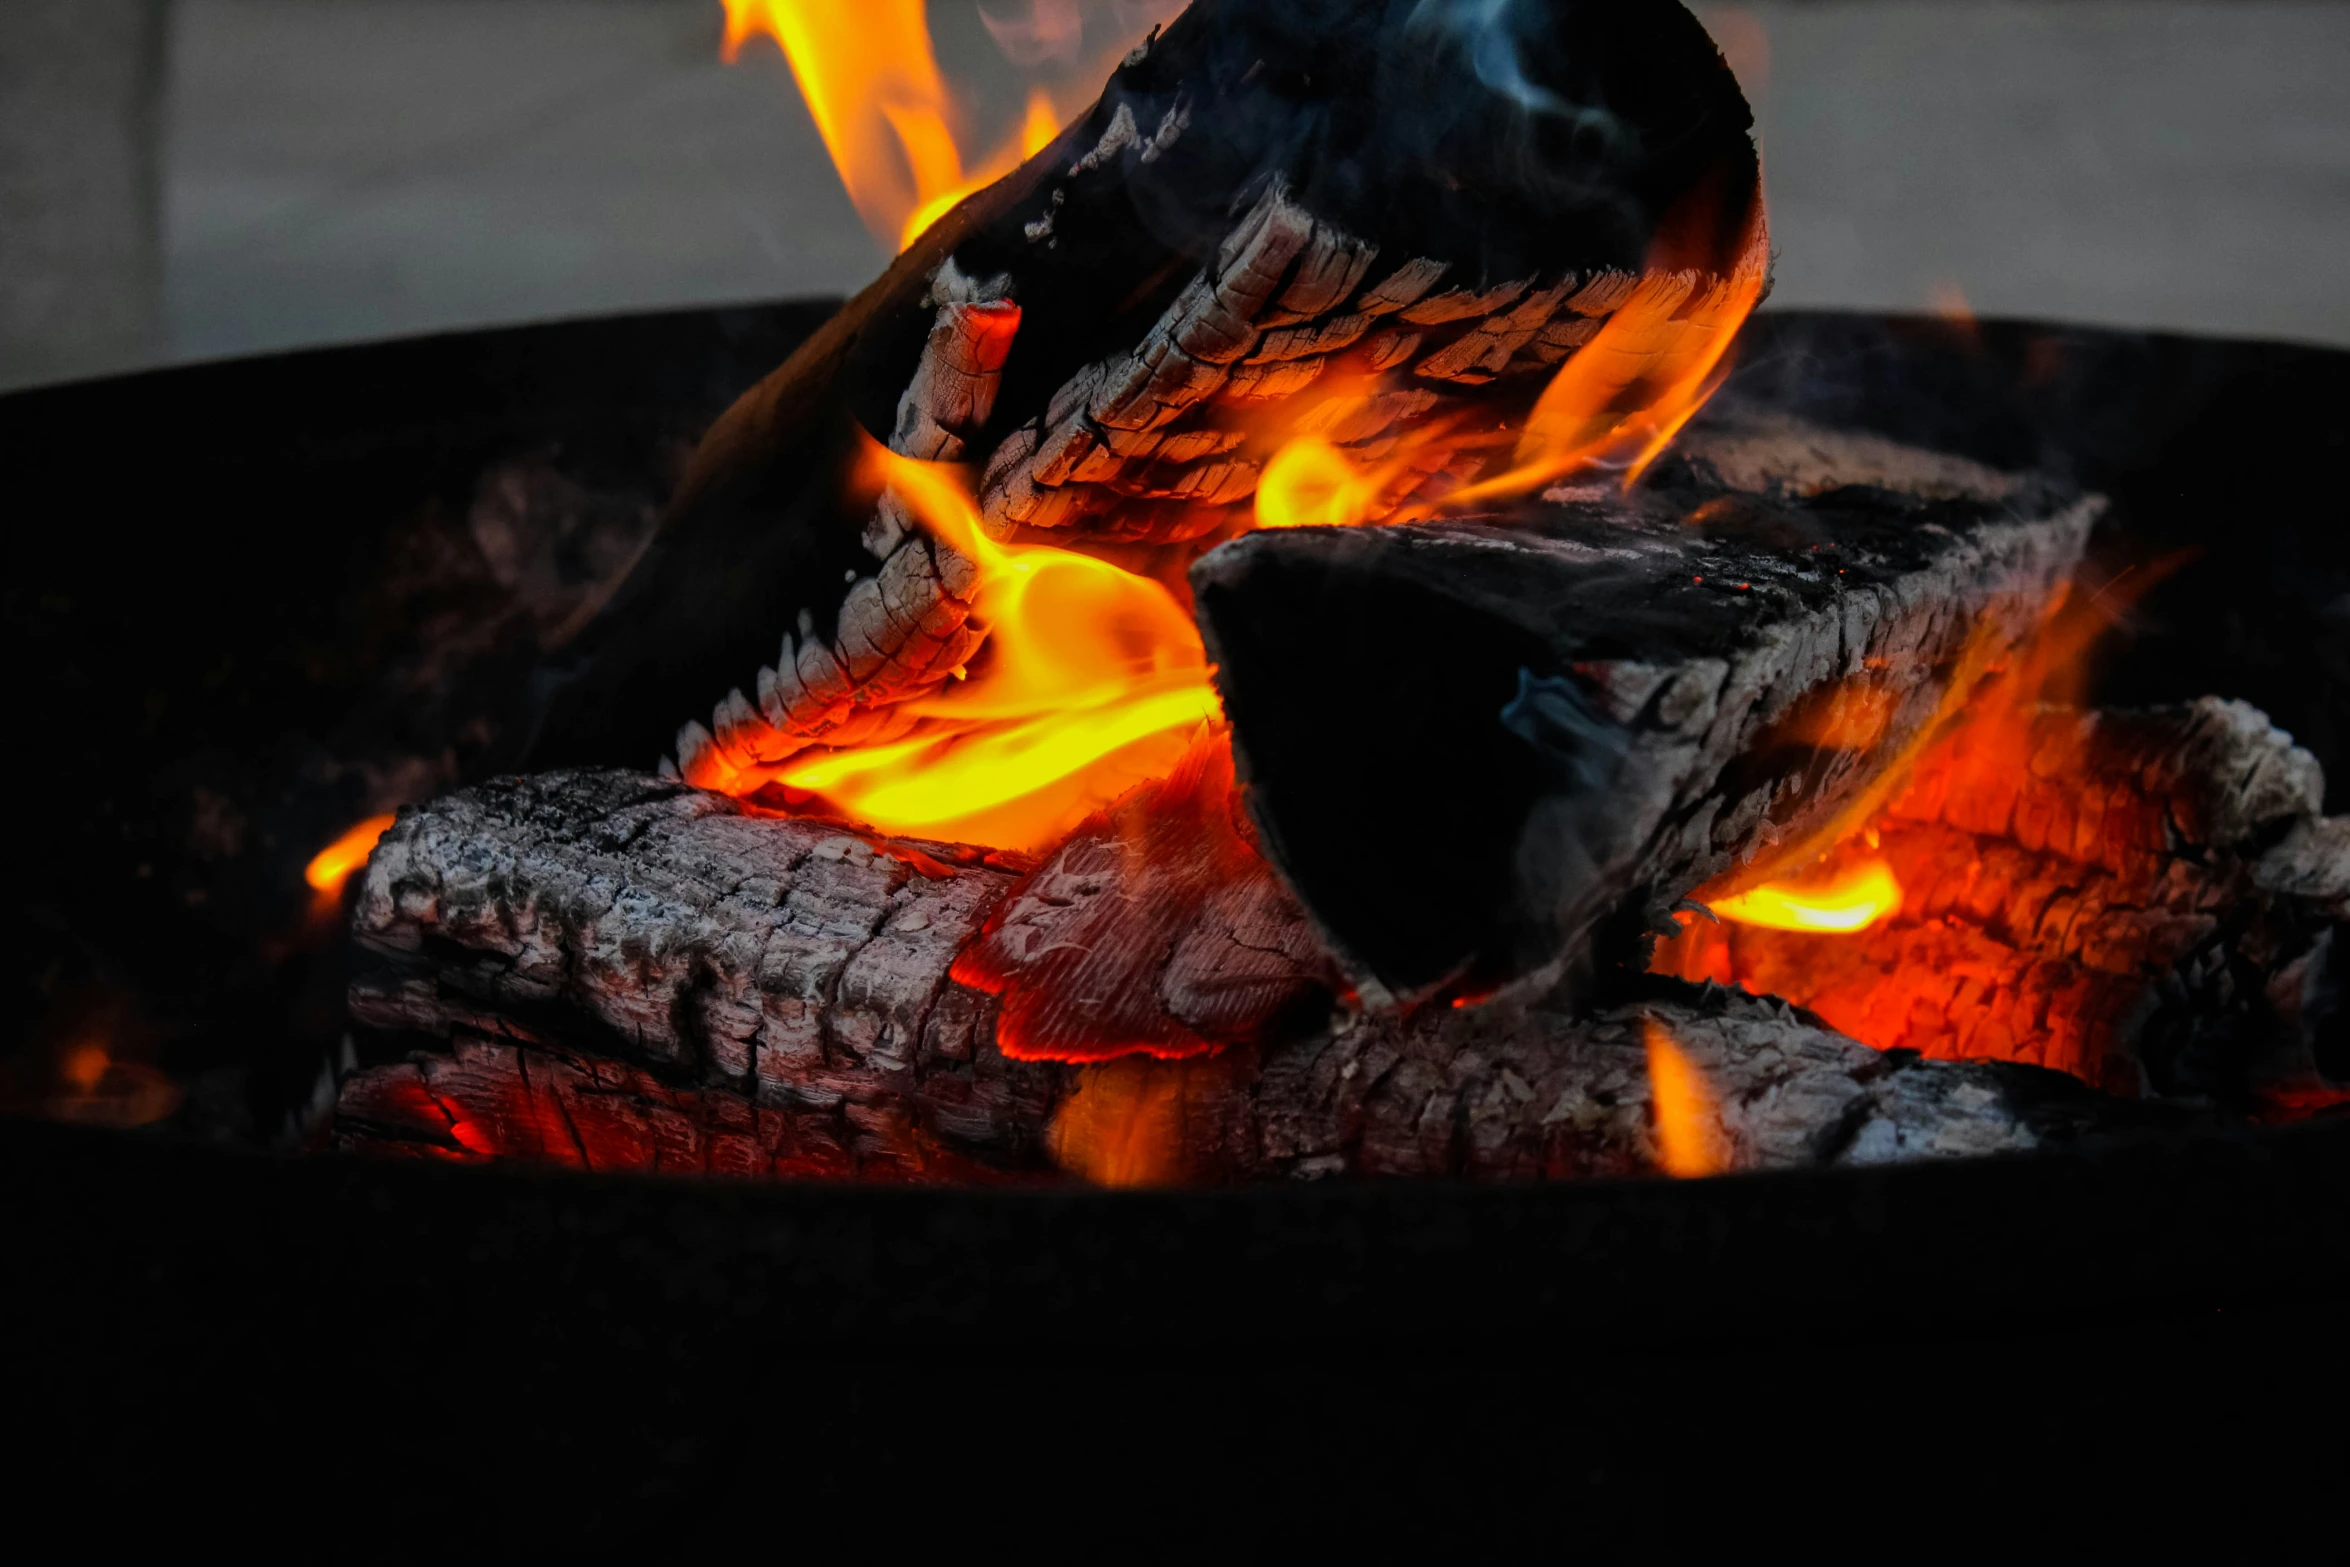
[1855, 898]
[872, 84]
[1618, 401]
[1689, 1136]
[1127, 1123]
[1614, 405]
[333, 865]
[1091, 681]
[1310, 484]
[1934, 978]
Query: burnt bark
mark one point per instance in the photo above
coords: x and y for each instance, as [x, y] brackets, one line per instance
[618, 972]
[1489, 752]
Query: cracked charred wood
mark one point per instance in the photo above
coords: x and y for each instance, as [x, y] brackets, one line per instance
[2143, 899]
[1334, 215]
[1553, 724]
[1156, 926]
[616, 972]
[1493, 1094]
[813, 970]
[666, 932]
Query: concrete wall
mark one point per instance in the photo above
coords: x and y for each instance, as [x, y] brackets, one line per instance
[2128, 164]
[80, 260]
[329, 170]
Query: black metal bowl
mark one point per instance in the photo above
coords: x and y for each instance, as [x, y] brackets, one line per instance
[204, 674]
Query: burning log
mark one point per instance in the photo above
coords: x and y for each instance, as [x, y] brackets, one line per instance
[618, 972]
[1303, 267]
[785, 963]
[2144, 900]
[1586, 709]
[1383, 232]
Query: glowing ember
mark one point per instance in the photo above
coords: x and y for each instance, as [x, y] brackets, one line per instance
[1958, 974]
[83, 1067]
[333, 865]
[874, 89]
[1123, 1125]
[1092, 680]
[92, 1088]
[1855, 898]
[1689, 1136]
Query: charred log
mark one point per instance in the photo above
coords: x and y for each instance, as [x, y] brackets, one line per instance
[1271, 205]
[2145, 900]
[615, 972]
[1585, 709]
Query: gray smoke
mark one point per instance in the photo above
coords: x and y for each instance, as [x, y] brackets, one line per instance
[1488, 32]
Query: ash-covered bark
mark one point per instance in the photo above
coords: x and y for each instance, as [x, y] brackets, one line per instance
[785, 963]
[616, 972]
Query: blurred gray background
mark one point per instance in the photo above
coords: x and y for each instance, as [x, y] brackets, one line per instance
[184, 179]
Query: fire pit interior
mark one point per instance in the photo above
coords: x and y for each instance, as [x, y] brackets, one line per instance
[1281, 639]
[1286, 641]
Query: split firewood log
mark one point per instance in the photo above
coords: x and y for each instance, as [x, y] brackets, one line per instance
[1491, 754]
[2143, 899]
[618, 972]
[1361, 221]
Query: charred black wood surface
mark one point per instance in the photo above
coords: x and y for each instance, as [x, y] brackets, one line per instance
[1488, 753]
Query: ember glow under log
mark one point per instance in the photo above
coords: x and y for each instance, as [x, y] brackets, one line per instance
[616, 972]
[2137, 898]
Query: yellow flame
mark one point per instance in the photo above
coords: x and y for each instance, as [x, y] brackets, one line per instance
[1092, 680]
[1856, 898]
[333, 865]
[872, 84]
[1311, 484]
[1689, 1136]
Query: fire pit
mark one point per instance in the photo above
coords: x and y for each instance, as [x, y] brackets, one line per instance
[1920, 749]
[1248, 653]
[185, 1275]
